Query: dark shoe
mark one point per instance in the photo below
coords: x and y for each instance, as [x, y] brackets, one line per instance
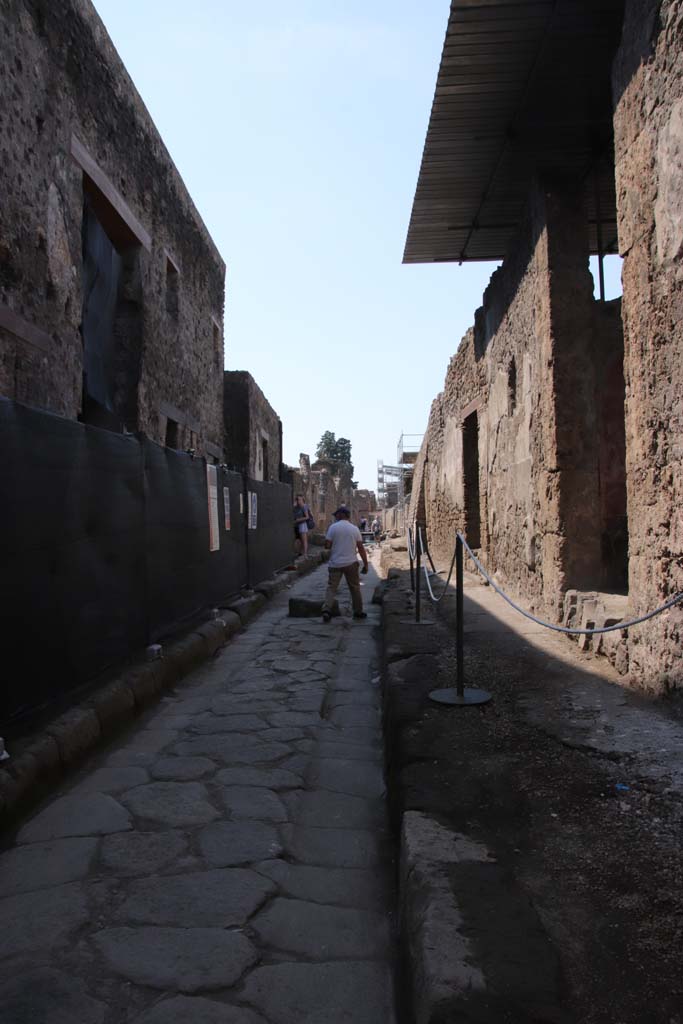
[326, 616]
[360, 615]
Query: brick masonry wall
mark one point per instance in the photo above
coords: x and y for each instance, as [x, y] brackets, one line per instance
[265, 426]
[249, 420]
[554, 455]
[501, 371]
[61, 76]
[648, 126]
[541, 369]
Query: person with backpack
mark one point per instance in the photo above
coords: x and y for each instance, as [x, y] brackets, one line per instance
[303, 522]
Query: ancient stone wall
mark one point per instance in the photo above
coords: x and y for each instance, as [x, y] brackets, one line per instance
[648, 130]
[253, 431]
[525, 445]
[74, 130]
[497, 410]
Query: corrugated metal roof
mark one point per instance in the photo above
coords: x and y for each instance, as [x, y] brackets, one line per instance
[523, 87]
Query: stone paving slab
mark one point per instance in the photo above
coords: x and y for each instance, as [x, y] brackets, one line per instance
[84, 815]
[49, 996]
[346, 887]
[346, 776]
[323, 809]
[228, 843]
[188, 1009]
[171, 803]
[44, 865]
[141, 853]
[321, 932]
[223, 897]
[226, 859]
[177, 959]
[334, 847]
[352, 992]
[253, 802]
[42, 919]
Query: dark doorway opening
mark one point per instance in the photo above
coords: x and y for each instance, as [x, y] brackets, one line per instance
[470, 451]
[609, 400]
[264, 458]
[172, 434]
[111, 323]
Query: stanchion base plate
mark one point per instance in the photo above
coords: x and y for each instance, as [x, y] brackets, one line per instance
[451, 696]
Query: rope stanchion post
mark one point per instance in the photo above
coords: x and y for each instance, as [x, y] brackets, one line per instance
[415, 551]
[417, 579]
[461, 696]
[459, 619]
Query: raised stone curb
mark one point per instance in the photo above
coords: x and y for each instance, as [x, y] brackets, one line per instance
[187, 653]
[213, 635]
[40, 759]
[444, 972]
[436, 952]
[269, 588]
[75, 732]
[247, 607]
[113, 704]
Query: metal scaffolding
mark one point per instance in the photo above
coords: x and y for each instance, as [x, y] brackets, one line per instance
[394, 482]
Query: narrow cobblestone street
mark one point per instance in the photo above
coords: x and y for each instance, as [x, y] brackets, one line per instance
[227, 859]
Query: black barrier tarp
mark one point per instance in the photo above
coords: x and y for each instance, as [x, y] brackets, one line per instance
[73, 570]
[229, 571]
[271, 544]
[185, 577]
[104, 548]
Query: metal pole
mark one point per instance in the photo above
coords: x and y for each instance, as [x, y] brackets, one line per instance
[459, 618]
[417, 575]
[410, 556]
[598, 229]
[459, 697]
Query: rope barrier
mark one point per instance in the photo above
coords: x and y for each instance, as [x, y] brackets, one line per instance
[411, 544]
[427, 575]
[566, 629]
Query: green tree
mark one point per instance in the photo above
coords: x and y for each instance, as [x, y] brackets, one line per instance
[344, 451]
[334, 450]
[327, 446]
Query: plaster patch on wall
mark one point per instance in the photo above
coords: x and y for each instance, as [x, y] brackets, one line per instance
[60, 265]
[450, 470]
[669, 202]
[498, 398]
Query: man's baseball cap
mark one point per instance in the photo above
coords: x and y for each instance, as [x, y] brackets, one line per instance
[342, 511]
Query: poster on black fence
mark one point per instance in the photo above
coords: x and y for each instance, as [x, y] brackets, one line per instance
[212, 492]
[252, 510]
[226, 507]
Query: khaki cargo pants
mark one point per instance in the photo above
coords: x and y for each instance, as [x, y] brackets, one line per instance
[352, 574]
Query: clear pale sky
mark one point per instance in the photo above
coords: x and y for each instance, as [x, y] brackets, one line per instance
[298, 129]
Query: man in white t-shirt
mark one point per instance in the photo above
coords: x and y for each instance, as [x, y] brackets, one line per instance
[345, 543]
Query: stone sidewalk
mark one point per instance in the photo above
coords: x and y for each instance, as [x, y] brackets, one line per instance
[227, 859]
[540, 869]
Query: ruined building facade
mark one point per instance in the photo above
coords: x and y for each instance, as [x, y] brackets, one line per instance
[253, 430]
[111, 289]
[556, 443]
[326, 485]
